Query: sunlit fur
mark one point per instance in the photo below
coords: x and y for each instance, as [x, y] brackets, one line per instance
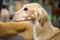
[8, 29]
[42, 27]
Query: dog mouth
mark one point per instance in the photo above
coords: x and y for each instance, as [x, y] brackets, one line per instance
[23, 19]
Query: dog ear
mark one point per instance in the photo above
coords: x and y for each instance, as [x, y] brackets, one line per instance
[42, 16]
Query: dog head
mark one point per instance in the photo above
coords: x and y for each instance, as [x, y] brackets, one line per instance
[32, 12]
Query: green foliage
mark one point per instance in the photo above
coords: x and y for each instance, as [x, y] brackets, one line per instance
[50, 16]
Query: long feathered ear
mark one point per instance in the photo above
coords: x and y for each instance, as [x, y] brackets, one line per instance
[42, 16]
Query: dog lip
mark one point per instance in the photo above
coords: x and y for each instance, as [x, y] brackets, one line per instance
[21, 20]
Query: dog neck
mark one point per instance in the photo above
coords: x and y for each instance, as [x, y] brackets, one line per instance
[45, 33]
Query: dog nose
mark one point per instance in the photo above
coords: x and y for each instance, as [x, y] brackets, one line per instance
[11, 17]
[16, 37]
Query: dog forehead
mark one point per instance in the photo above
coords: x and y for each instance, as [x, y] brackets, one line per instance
[32, 6]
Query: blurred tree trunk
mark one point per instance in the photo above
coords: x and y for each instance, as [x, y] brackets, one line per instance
[1, 3]
[59, 3]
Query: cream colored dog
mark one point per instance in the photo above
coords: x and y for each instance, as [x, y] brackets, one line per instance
[42, 27]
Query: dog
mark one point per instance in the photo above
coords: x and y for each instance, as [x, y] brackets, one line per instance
[41, 24]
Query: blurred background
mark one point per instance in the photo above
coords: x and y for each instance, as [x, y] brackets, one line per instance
[51, 6]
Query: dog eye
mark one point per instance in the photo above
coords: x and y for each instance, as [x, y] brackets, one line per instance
[26, 9]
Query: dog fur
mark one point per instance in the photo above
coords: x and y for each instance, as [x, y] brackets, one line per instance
[8, 29]
[55, 37]
[42, 27]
